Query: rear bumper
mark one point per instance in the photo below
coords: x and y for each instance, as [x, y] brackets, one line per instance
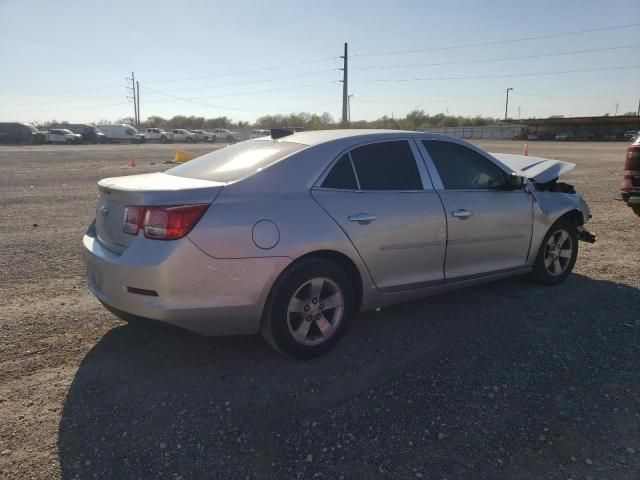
[206, 295]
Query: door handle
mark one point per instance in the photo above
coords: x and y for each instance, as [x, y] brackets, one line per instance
[362, 218]
[461, 214]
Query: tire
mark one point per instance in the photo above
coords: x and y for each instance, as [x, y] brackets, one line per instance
[636, 209]
[557, 254]
[189, 140]
[163, 139]
[295, 312]
[230, 139]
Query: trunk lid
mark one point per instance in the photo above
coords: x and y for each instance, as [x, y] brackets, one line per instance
[114, 194]
[540, 170]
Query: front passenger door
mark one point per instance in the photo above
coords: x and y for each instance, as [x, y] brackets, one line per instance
[488, 228]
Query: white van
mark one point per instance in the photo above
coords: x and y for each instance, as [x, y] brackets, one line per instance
[258, 133]
[121, 133]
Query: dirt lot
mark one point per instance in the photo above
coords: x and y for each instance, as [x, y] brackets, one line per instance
[503, 381]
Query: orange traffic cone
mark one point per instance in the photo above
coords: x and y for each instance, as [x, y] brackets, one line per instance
[526, 150]
[133, 162]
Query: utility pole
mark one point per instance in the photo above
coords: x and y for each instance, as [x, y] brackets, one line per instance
[134, 98]
[616, 109]
[349, 108]
[138, 101]
[639, 108]
[345, 89]
[506, 107]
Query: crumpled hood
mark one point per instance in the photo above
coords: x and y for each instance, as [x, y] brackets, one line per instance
[540, 170]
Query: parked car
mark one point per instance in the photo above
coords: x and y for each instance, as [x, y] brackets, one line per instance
[224, 135]
[630, 187]
[257, 133]
[291, 238]
[15, 132]
[63, 135]
[564, 136]
[202, 136]
[157, 134]
[631, 134]
[182, 135]
[88, 133]
[121, 132]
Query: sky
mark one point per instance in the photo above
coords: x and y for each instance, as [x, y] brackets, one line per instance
[243, 59]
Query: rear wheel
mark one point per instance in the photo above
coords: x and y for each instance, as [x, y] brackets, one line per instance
[189, 140]
[557, 254]
[68, 141]
[230, 139]
[309, 309]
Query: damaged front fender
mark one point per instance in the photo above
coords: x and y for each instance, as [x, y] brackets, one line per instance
[548, 207]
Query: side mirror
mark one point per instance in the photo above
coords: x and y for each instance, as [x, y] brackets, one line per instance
[515, 182]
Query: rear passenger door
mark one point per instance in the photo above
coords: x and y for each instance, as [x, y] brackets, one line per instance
[384, 201]
[489, 228]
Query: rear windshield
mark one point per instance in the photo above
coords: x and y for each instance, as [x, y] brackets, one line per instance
[232, 163]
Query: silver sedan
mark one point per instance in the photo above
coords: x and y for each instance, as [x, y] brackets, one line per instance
[292, 236]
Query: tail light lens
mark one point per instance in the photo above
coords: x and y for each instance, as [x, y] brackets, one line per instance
[631, 178]
[162, 222]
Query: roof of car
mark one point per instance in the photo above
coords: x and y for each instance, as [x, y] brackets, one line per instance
[321, 136]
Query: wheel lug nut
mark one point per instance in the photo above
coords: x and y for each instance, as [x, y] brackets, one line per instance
[309, 318]
[314, 301]
[306, 308]
[322, 306]
[318, 317]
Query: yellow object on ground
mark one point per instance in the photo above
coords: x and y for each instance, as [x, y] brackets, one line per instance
[182, 157]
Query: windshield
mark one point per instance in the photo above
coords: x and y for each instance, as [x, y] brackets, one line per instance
[235, 162]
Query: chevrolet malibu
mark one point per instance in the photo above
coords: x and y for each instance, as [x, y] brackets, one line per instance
[292, 235]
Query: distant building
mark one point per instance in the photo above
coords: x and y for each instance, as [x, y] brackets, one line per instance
[495, 132]
[582, 128]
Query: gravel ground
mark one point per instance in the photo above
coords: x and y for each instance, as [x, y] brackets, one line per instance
[503, 381]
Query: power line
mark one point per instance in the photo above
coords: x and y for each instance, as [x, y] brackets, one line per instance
[219, 107]
[498, 59]
[70, 92]
[500, 42]
[72, 108]
[287, 77]
[227, 74]
[578, 96]
[507, 75]
[422, 102]
[295, 87]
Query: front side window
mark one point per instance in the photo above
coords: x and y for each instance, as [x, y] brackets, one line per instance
[386, 166]
[341, 175]
[461, 168]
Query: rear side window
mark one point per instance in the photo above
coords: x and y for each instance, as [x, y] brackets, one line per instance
[386, 166]
[341, 175]
[237, 161]
[461, 168]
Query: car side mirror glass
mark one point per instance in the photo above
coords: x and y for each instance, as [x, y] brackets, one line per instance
[515, 182]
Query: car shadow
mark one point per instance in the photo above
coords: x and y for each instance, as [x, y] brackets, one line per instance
[470, 383]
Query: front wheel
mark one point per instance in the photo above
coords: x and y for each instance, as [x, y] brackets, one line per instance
[309, 309]
[557, 254]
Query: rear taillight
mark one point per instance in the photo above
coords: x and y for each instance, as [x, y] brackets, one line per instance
[162, 222]
[631, 178]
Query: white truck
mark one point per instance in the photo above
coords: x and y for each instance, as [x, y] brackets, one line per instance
[121, 132]
[258, 133]
[62, 135]
[182, 135]
[224, 135]
[157, 134]
[202, 136]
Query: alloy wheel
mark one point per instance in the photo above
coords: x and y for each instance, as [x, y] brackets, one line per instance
[558, 252]
[315, 311]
